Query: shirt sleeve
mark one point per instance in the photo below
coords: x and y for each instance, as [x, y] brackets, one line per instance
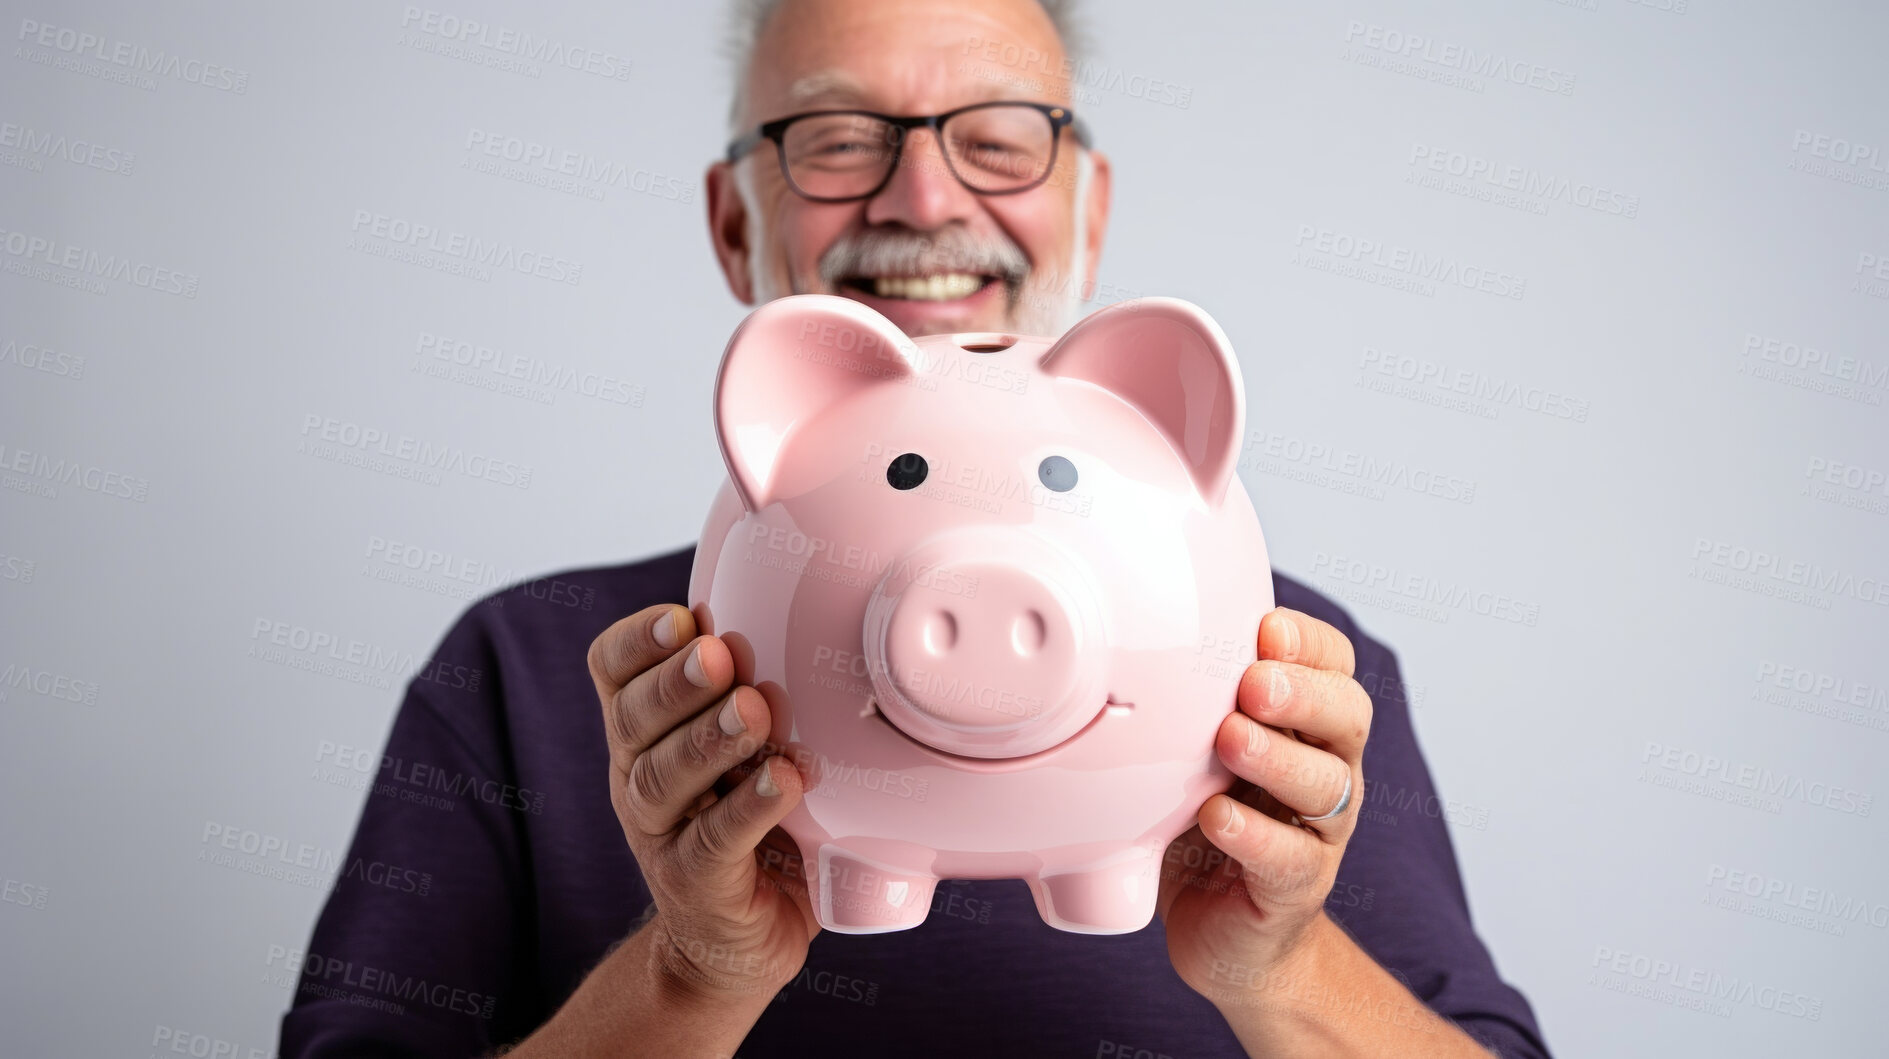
[1398, 891]
[413, 954]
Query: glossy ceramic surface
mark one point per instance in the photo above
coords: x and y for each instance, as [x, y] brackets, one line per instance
[1014, 666]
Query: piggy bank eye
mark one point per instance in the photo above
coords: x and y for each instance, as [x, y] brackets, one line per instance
[907, 471]
[1057, 474]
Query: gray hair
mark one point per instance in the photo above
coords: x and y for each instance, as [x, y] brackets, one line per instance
[747, 18]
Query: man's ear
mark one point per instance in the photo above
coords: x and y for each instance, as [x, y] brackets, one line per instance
[1095, 221]
[1173, 364]
[787, 364]
[728, 221]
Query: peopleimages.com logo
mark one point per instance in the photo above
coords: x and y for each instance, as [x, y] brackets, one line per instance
[128, 61]
[519, 49]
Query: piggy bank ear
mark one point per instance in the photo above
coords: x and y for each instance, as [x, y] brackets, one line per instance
[1170, 361]
[789, 361]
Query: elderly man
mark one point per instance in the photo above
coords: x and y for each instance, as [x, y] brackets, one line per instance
[628, 891]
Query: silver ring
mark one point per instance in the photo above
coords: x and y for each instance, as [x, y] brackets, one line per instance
[1344, 802]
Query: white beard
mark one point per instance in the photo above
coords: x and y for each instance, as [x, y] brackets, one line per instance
[758, 250]
[1051, 301]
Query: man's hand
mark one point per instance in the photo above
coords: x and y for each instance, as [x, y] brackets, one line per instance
[728, 930]
[1296, 741]
[726, 923]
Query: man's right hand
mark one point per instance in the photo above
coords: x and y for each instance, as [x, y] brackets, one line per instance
[725, 922]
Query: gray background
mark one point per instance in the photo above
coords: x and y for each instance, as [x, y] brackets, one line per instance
[1597, 758]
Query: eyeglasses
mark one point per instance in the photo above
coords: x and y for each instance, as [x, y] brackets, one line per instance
[996, 148]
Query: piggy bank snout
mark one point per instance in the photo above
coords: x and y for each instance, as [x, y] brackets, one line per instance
[996, 661]
[986, 646]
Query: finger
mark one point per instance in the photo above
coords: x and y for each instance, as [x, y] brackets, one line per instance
[635, 643]
[1304, 779]
[667, 782]
[708, 798]
[1327, 708]
[777, 706]
[717, 847]
[1288, 635]
[666, 695]
[1278, 859]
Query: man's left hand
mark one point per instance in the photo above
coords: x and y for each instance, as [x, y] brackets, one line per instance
[1296, 742]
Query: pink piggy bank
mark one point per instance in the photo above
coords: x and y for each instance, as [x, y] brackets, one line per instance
[997, 590]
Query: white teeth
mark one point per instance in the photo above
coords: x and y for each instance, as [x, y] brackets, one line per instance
[948, 286]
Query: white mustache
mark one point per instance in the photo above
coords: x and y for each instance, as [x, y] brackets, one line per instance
[904, 252]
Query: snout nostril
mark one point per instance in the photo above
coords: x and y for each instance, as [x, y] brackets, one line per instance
[1028, 632]
[941, 633]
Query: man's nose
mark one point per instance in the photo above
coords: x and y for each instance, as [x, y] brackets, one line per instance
[922, 194]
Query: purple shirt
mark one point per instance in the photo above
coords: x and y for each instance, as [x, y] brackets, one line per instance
[488, 875]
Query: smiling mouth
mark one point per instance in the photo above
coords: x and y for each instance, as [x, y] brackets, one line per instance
[937, 287]
[1111, 707]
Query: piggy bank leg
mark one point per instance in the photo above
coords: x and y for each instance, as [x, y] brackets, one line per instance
[1115, 898]
[851, 895]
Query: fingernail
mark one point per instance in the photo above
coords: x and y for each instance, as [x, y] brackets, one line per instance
[764, 784]
[1292, 640]
[1255, 738]
[693, 669]
[665, 631]
[1234, 823]
[1278, 689]
[730, 718]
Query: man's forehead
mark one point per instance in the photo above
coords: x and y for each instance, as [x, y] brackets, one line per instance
[837, 85]
[903, 55]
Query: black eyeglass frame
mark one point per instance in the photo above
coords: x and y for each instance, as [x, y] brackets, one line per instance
[1060, 117]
